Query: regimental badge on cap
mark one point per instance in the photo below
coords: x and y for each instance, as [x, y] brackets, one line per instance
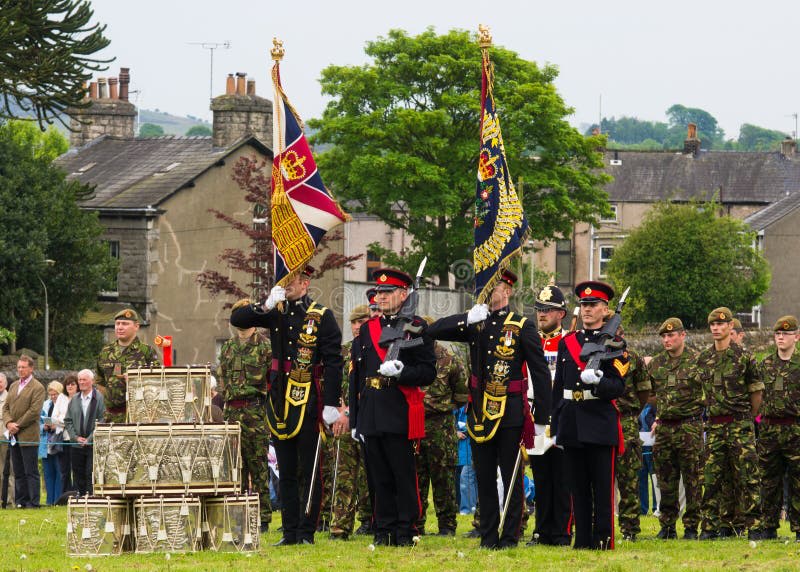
[383, 278]
[587, 291]
[546, 294]
[669, 327]
[786, 324]
[722, 315]
[128, 314]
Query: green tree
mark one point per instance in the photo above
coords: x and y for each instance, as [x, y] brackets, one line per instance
[708, 130]
[403, 131]
[147, 130]
[629, 131]
[41, 220]
[684, 260]
[754, 138]
[45, 56]
[198, 130]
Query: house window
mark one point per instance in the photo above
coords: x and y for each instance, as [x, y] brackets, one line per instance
[563, 262]
[110, 288]
[611, 217]
[373, 263]
[606, 252]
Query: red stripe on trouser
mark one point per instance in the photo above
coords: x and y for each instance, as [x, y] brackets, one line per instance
[613, 501]
[416, 484]
[571, 518]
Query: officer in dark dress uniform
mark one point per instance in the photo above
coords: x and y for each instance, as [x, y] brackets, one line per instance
[586, 421]
[304, 389]
[498, 415]
[553, 503]
[387, 411]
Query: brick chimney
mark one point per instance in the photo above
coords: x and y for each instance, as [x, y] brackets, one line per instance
[788, 147]
[240, 112]
[109, 112]
[692, 144]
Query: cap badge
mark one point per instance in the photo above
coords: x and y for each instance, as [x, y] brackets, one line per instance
[587, 291]
[383, 278]
[669, 327]
[546, 294]
[786, 325]
[128, 314]
[722, 315]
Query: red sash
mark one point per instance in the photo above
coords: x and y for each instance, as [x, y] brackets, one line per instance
[414, 395]
[574, 349]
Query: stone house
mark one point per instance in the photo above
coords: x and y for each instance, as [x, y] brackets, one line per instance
[153, 195]
[743, 183]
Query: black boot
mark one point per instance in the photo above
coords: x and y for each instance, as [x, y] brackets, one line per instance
[690, 534]
[667, 533]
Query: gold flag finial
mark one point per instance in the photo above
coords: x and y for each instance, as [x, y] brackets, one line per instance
[277, 50]
[484, 36]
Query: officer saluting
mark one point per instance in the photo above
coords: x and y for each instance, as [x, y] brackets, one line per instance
[498, 414]
[386, 407]
[306, 372]
[586, 421]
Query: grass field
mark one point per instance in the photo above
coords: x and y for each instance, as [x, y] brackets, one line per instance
[35, 540]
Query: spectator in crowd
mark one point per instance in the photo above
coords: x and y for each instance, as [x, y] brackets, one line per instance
[87, 408]
[5, 453]
[466, 483]
[20, 418]
[70, 389]
[647, 473]
[50, 447]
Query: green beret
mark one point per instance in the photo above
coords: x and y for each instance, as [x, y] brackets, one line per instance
[671, 325]
[127, 314]
[786, 324]
[722, 314]
[359, 312]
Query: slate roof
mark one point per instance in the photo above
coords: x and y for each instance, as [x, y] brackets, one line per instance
[774, 212]
[141, 173]
[756, 178]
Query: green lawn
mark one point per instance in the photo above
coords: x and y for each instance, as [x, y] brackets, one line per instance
[35, 540]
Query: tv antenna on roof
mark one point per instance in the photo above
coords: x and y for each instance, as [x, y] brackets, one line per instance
[211, 46]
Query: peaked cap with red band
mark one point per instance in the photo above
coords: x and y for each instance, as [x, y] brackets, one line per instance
[371, 298]
[508, 277]
[387, 279]
[594, 291]
[308, 271]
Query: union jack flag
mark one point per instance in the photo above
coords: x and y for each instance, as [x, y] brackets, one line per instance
[303, 210]
[500, 224]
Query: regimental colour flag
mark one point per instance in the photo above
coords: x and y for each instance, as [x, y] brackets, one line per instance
[500, 225]
[303, 210]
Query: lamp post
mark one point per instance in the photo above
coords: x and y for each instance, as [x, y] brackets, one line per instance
[46, 320]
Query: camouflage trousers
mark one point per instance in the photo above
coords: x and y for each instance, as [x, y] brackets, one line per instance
[345, 490]
[678, 452]
[436, 463]
[779, 451]
[627, 473]
[255, 445]
[731, 450]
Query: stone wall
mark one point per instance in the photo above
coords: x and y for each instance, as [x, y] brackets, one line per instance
[238, 115]
[112, 117]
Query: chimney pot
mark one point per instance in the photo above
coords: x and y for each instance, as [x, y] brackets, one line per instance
[112, 87]
[251, 87]
[230, 85]
[692, 132]
[240, 83]
[124, 80]
[692, 144]
[103, 88]
[93, 90]
[788, 147]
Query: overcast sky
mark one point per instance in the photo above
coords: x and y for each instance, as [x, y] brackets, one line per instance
[734, 58]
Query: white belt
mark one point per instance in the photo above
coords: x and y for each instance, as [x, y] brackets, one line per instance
[579, 395]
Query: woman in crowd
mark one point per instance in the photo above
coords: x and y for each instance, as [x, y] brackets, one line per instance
[70, 389]
[50, 448]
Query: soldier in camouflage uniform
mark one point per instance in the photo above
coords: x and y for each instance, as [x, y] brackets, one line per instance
[347, 471]
[637, 390]
[733, 391]
[244, 361]
[678, 448]
[438, 451]
[779, 437]
[116, 358]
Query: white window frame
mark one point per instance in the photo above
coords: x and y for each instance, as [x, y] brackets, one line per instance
[602, 260]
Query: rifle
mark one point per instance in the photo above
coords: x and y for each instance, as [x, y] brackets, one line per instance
[605, 347]
[395, 336]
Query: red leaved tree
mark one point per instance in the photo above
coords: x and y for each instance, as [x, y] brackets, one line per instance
[252, 175]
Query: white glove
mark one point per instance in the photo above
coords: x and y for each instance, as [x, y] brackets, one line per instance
[330, 414]
[356, 437]
[540, 429]
[478, 313]
[391, 368]
[277, 294]
[591, 376]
